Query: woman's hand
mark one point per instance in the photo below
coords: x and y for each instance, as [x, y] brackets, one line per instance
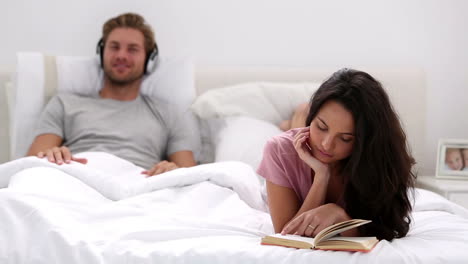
[310, 223]
[304, 151]
[160, 167]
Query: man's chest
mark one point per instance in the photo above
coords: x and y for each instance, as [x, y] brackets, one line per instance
[128, 122]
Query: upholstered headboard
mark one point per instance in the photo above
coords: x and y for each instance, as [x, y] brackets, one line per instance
[406, 87]
[5, 77]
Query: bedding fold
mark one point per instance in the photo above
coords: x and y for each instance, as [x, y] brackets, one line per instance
[117, 179]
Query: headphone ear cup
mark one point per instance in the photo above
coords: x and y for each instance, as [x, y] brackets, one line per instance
[151, 60]
[100, 52]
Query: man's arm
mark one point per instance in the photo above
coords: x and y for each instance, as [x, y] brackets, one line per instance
[50, 146]
[44, 142]
[183, 140]
[183, 158]
[177, 159]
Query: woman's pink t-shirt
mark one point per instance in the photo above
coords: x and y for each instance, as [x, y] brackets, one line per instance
[281, 164]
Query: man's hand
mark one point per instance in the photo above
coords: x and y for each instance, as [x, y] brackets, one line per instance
[160, 167]
[60, 155]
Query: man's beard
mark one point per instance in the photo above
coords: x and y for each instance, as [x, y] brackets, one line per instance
[121, 82]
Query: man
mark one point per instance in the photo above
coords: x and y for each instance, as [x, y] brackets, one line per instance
[119, 120]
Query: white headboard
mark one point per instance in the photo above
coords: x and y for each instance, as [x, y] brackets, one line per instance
[5, 77]
[405, 86]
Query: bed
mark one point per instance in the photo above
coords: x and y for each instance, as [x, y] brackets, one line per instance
[106, 212]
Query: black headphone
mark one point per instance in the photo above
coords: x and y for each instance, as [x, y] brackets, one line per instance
[150, 61]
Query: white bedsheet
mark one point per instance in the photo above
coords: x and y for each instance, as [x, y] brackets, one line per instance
[205, 214]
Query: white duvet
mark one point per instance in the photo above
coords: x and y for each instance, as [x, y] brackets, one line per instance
[108, 212]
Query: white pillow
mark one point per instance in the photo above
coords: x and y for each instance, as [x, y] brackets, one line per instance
[243, 138]
[172, 80]
[209, 129]
[37, 79]
[269, 101]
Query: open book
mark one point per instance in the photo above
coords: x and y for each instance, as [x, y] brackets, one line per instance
[327, 239]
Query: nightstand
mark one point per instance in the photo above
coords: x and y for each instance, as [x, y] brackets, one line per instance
[454, 190]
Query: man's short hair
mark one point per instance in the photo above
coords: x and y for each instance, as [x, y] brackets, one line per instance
[130, 20]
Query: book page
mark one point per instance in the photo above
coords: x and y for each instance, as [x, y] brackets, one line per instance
[309, 240]
[352, 239]
[349, 243]
[335, 229]
[322, 236]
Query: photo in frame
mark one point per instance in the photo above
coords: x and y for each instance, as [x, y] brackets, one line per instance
[452, 159]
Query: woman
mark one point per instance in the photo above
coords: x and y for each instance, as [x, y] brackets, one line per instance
[350, 161]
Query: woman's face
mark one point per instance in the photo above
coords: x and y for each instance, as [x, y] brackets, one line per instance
[332, 133]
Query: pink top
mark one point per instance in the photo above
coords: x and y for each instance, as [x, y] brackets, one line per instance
[281, 165]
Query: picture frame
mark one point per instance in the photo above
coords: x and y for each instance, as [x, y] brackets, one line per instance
[452, 159]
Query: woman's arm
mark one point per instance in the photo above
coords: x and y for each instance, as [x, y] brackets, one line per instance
[317, 193]
[283, 201]
[283, 204]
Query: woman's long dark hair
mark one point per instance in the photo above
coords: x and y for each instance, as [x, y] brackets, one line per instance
[378, 172]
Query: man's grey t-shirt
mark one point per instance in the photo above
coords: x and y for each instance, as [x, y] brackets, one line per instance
[143, 131]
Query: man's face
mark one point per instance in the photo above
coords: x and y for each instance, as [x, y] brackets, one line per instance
[124, 56]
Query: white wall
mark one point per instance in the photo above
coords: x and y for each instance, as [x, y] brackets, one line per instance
[426, 33]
